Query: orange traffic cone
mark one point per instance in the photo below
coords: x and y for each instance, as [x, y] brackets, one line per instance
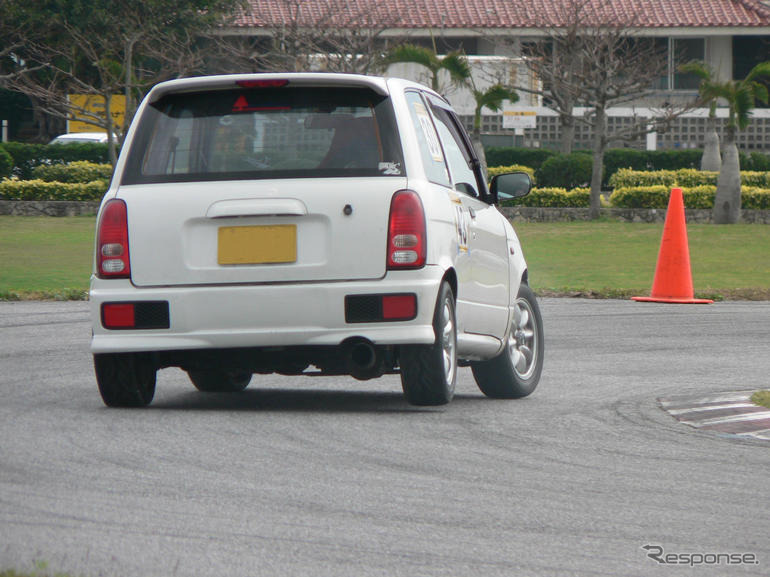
[673, 278]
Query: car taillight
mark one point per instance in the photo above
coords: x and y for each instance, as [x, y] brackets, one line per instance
[112, 259]
[406, 231]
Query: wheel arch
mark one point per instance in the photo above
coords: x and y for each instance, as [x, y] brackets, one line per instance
[450, 276]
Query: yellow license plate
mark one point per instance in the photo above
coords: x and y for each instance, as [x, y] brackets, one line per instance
[257, 244]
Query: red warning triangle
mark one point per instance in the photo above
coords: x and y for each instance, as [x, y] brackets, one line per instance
[241, 104]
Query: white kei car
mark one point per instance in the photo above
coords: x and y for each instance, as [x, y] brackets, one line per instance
[286, 223]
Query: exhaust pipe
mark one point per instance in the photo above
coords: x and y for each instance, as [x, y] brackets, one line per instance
[363, 360]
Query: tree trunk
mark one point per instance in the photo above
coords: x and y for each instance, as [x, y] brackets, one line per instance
[110, 128]
[727, 202]
[476, 141]
[480, 153]
[567, 122]
[711, 159]
[597, 170]
[128, 66]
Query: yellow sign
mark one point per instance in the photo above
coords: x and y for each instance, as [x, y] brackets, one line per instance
[85, 105]
[519, 118]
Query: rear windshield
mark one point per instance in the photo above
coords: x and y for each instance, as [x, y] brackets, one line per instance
[287, 132]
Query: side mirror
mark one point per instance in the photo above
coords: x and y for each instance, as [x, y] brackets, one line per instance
[510, 185]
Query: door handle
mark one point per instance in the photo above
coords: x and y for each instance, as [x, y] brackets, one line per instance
[473, 212]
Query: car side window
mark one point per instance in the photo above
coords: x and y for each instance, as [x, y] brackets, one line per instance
[430, 147]
[458, 156]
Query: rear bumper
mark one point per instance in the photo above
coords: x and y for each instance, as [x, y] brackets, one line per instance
[235, 316]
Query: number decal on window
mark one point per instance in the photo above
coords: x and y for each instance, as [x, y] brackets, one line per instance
[430, 133]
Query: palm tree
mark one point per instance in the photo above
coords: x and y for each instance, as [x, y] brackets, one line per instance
[712, 157]
[455, 63]
[741, 97]
[491, 98]
[459, 69]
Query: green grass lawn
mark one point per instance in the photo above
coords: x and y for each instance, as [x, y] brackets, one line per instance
[617, 259]
[45, 257]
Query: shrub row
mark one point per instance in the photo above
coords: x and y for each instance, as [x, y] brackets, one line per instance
[656, 196]
[13, 189]
[507, 156]
[78, 171]
[6, 163]
[566, 170]
[550, 197]
[686, 177]
[495, 170]
[553, 197]
[27, 156]
[617, 158]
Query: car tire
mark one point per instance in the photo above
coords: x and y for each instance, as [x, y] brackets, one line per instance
[219, 381]
[125, 379]
[429, 372]
[515, 372]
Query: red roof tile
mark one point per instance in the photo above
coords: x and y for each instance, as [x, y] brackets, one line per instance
[503, 13]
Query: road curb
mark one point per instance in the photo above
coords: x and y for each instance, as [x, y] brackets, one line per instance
[730, 413]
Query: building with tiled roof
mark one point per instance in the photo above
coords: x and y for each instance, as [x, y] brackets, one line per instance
[513, 14]
[730, 35]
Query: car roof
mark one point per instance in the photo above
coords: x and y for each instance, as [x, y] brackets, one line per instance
[379, 84]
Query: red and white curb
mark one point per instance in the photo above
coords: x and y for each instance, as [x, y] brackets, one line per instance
[730, 413]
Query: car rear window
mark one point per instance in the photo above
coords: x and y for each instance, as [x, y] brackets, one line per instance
[253, 133]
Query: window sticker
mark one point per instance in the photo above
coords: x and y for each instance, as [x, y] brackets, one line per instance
[429, 132]
[390, 168]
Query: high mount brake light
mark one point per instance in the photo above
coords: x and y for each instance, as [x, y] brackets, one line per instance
[112, 258]
[242, 105]
[406, 231]
[274, 83]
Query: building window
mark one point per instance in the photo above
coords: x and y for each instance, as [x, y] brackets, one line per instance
[683, 50]
[679, 51]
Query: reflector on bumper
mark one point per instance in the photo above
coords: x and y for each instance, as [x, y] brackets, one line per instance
[135, 315]
[379, 308]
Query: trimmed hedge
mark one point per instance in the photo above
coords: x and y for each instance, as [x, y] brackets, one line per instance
[553, 197]
[755, 161]
[566, 170]
[6, 163]
[507, 156]
[495, 170]
[78, 171]
[13, 189]
[753, 198]
[27, 156]
[685, 178]
[656, 196]
[617, 158]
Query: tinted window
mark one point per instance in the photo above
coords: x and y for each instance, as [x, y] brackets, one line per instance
[457, 155]
[465, 168]
[430, 147]
[265, 133]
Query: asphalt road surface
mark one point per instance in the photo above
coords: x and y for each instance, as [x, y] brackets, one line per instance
[335, 477]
